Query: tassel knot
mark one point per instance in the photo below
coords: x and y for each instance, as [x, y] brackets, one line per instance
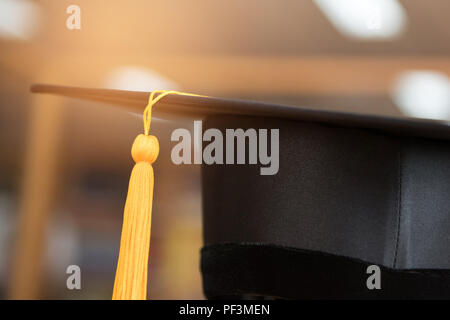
[145, 149]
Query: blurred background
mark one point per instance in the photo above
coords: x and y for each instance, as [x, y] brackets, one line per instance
[65, 163]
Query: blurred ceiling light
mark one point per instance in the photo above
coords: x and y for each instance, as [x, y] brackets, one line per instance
[138, 79]
[423, 94]
[365, 19]
[18, 19]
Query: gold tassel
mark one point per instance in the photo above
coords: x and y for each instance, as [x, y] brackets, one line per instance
[131, 273]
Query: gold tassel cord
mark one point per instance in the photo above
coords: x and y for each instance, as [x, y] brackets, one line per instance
[131, 273]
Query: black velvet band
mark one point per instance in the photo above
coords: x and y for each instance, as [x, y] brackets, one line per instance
[265, 270]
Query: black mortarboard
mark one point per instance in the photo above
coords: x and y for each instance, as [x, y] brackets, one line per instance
[351, 191]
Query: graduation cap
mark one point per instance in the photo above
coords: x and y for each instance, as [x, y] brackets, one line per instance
[358, 207]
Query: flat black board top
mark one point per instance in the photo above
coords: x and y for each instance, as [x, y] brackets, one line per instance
[192, 105]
